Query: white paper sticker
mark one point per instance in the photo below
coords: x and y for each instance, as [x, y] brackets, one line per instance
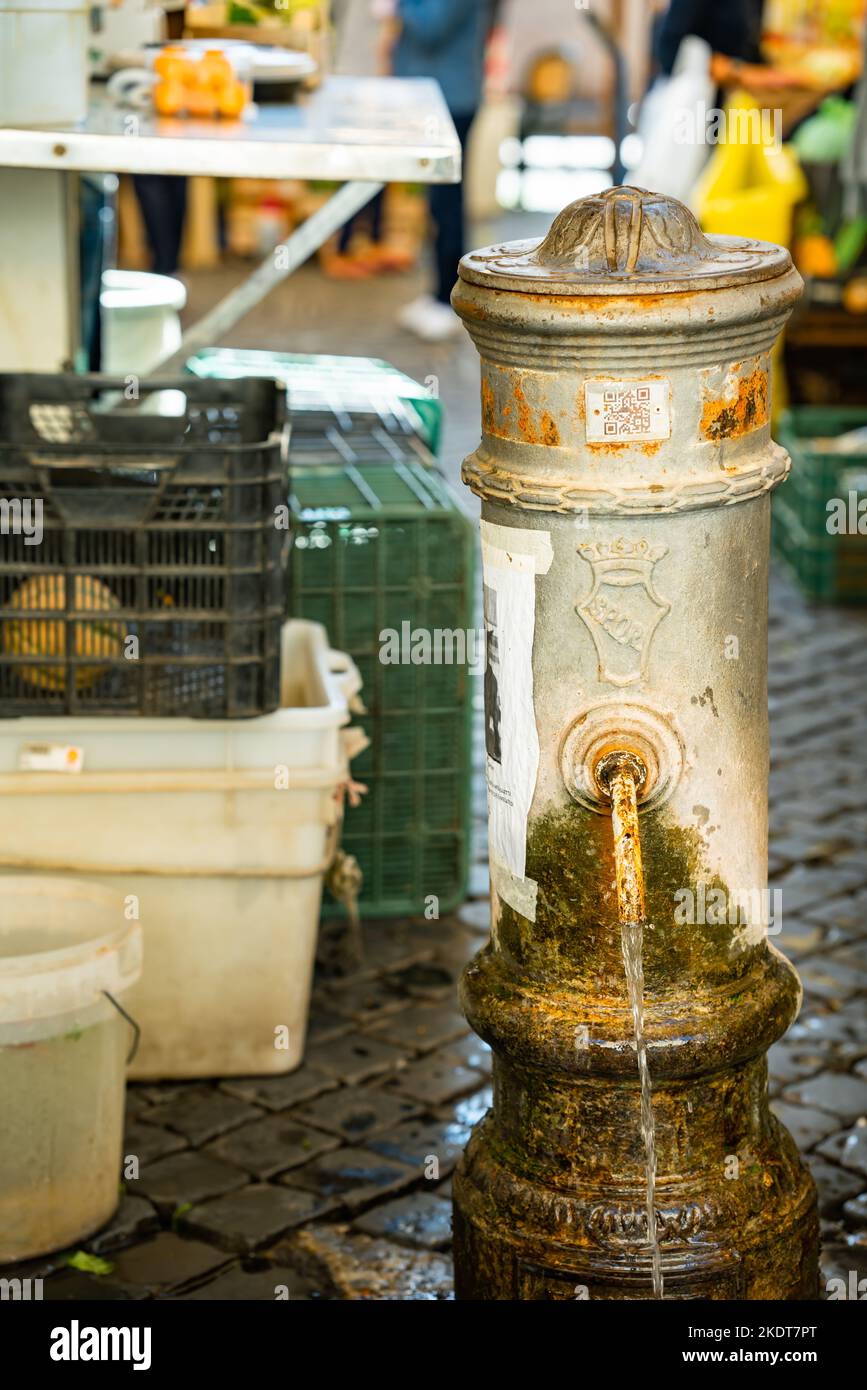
[50, 757]
[627, 410]
[511, 558]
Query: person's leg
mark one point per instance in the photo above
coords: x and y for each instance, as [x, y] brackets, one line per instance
[91, 259]
[344, 236]
[375, 210]
[163, 202]
[447, 211]
[372, 214]
[178, 205]
[430, 316]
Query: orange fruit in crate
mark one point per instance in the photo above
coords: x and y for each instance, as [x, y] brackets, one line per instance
[172, 63]
[232, 99]
[200, 100]
[215, 69]
[94, 635]
[169, 97]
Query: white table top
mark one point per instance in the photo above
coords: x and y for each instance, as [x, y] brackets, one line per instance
[385, 129]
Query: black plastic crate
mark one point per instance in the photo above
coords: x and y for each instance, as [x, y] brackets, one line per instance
[154, 581]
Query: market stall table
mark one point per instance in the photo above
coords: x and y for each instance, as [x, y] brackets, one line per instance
[358, 132]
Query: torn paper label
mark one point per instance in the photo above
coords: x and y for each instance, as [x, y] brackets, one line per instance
[50, 757]
[511, 559]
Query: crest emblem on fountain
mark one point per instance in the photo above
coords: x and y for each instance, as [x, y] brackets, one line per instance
[623, 609]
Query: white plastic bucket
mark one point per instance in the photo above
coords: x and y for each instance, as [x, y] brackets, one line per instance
[65, 945]
[220, 833]
[140, 319]
[43, 62]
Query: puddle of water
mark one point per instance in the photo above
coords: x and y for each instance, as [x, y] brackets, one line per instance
[631, 945]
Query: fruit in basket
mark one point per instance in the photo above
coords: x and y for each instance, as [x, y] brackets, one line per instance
[215, 70]
[828, 67]
[173, 64]
[232, 99]
[200, 100]
[169, 97]
[94, 635]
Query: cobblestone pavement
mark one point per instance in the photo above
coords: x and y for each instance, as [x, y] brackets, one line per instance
[333, 1181]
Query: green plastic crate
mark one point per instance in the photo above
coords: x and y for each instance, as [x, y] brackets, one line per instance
[374, 548]
[342, 385]
[828, 567]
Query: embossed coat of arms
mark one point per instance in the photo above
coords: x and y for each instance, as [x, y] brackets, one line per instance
[623, 609]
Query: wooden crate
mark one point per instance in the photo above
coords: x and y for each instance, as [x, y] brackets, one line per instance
[209, 22]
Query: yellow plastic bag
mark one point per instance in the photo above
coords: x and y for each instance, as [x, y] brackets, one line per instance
[751, 183]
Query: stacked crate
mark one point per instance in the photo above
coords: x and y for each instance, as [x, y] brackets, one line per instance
[820, 516]
[380, 543]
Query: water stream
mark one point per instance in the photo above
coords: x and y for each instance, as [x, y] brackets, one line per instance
[631, 945]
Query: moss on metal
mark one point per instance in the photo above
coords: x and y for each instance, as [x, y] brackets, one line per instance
[549, 1196]
[576, 931]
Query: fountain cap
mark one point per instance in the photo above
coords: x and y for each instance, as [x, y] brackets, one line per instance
[624, 241]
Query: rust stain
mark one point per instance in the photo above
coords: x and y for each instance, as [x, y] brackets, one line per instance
[614, 447]
[648, 447]
[623, 774]
[550, 432]
[729, 417]
[488, 406]
[596, 303]
[526, 426]
[469, 310]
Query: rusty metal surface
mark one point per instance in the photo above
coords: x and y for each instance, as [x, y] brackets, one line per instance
[650, 620]
[622, 775]
[743, 405]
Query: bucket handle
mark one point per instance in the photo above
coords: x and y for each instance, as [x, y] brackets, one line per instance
[132, 1023]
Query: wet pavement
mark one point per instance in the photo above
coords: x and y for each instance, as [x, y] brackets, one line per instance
[333, 1181]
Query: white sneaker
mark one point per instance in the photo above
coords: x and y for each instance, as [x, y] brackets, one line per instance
[429, 319]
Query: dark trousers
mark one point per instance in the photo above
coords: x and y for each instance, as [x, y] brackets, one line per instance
[92, 256]
[372, 215]
[163, 202]
[447, 211]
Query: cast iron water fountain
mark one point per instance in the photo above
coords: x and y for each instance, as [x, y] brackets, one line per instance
[625, 473]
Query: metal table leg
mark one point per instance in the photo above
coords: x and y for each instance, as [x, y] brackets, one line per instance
[286, 257]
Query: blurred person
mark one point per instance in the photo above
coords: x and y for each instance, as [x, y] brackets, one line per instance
[734, 31]
[363, 50]
[445, 40]
[344, 260]
[162, 199]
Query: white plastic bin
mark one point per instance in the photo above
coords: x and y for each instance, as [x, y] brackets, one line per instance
[63, 1049]
[141, 322]
[43, 62]
[218, 832]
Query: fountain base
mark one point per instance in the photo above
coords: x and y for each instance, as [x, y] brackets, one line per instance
[517, 1239]
[550, 1195]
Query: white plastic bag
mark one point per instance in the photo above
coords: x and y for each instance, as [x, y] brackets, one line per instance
[673, 122]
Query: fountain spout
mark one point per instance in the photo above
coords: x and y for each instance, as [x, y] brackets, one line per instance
[621, 776]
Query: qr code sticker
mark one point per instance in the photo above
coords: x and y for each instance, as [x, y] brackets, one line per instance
[627, 410]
